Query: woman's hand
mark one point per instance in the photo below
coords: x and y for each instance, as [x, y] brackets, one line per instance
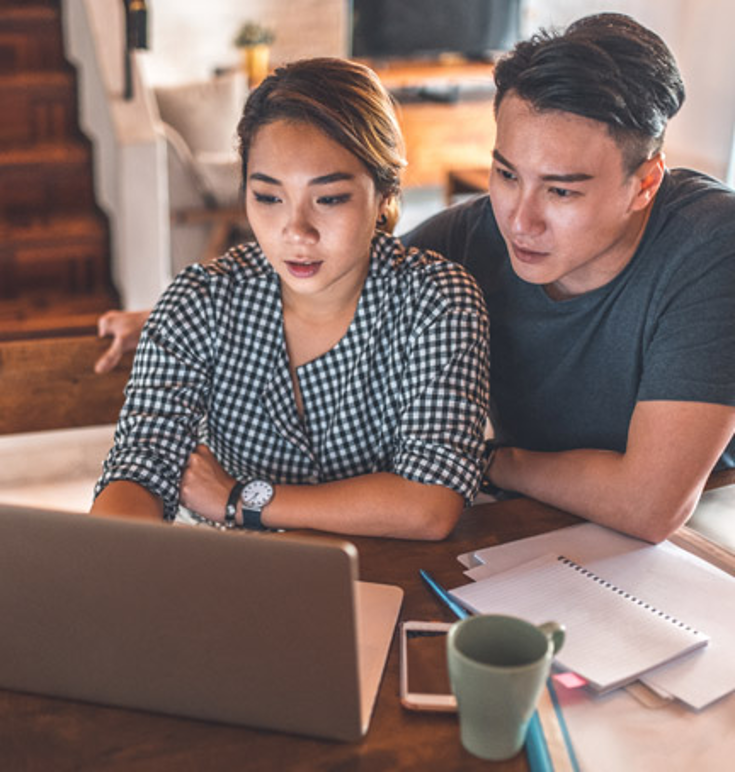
[205, 485]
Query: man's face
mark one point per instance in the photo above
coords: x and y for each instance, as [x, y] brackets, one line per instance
[569, 213]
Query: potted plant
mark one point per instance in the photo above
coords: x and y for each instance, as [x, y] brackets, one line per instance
[254, 40]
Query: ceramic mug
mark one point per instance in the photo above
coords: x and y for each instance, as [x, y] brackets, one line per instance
[498, 667]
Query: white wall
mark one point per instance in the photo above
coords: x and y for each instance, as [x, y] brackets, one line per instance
[189, 40]
[700, 34]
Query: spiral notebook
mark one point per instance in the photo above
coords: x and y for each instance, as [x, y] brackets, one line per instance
[612, 637]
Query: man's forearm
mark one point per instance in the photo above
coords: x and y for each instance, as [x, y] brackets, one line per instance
[650, 490]
[598, 485]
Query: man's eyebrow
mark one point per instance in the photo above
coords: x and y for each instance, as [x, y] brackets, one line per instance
[325, 179]
[574, 177]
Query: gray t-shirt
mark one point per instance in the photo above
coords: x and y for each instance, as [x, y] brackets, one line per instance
[568, 374]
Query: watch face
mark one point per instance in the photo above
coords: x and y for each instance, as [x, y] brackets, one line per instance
[257, 494]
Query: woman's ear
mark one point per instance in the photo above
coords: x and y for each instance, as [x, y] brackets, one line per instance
[388, 213]
[649, 177]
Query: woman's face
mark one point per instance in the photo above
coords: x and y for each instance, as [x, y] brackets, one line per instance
[313, 207]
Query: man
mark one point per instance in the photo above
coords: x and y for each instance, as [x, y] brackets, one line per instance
[609, 282]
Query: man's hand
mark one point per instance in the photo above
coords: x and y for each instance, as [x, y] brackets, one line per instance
[205, 485]
[125, 328]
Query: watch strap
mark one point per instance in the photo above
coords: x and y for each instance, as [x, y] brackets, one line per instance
[252, 520]
[231, 508]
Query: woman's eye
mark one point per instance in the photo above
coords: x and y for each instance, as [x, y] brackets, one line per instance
[505, 174]
[334, 200]
[265, 198]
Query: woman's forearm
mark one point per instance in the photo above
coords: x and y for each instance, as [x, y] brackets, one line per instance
[381, 504]
[123, 498]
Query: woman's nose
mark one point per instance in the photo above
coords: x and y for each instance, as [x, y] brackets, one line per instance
[299, 229]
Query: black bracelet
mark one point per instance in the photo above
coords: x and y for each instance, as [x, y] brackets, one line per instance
[486, 486]
[232, 504]
[489, 454]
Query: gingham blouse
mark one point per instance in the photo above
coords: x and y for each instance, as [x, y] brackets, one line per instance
[404, 391]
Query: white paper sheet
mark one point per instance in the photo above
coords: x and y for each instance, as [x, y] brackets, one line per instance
[667, 576]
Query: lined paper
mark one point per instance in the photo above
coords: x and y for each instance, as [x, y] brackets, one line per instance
[612, 637]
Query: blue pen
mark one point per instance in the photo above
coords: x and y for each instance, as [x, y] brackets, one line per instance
[535, 743]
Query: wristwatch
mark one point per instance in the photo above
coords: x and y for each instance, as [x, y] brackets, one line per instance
[256, 495]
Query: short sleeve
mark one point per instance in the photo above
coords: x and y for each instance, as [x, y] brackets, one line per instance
[689, 355]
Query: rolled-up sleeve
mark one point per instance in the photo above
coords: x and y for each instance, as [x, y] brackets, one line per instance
[167, 393]
[446, 394]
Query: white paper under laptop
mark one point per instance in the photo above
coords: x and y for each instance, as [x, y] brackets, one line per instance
[271, 631]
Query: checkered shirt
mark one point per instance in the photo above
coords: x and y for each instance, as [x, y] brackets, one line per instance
[404, 391]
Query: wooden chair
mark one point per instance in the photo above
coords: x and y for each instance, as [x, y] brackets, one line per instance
[47, 382]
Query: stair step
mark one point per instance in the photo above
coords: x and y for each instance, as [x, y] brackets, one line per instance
[31, 38]
[45, 178]
[54, 229]
[54, 240]
[52, 255]
[37, 107]
[42, 154]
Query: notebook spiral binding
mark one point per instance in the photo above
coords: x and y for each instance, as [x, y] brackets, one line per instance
[588, 574]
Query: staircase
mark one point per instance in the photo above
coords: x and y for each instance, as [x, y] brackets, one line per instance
[54, 239]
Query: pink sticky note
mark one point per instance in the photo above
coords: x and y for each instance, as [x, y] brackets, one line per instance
[569, 680]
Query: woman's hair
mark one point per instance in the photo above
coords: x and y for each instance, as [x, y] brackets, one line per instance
[346, 101]
[606, 67]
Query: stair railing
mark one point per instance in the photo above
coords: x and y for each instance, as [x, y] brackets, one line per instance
[136, 37]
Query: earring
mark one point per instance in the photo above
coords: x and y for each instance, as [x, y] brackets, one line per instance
[382, 221]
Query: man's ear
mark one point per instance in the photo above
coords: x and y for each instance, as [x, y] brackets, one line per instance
[649, 177]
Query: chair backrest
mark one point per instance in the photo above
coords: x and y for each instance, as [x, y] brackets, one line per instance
[49, 383]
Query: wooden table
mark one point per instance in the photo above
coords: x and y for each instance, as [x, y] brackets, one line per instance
[38, 734]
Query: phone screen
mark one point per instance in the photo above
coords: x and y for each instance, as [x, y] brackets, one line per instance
[426, 652]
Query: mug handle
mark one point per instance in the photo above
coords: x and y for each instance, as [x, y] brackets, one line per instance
[555, 632]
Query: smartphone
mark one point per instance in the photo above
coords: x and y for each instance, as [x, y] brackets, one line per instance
[425, 684]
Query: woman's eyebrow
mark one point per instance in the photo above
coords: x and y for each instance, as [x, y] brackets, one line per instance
[324, 179]
[334, 177]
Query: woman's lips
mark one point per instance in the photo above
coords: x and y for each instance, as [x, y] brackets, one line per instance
[303, 269]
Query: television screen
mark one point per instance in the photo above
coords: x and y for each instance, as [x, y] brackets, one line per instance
[408, 29]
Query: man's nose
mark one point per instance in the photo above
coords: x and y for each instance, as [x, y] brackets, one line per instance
[527, 218]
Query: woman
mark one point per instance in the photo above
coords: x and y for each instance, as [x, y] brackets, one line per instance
[323, 376]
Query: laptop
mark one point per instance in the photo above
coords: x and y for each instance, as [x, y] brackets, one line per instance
[264, 630]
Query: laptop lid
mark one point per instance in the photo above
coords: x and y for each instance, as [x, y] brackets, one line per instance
[264, 630]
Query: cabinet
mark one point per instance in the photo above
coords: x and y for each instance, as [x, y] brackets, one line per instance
[442, 135]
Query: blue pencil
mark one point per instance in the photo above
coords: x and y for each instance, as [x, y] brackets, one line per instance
[444, 596]
[535, 743]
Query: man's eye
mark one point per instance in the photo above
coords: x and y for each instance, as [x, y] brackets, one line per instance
[505, 174]
[563, 192]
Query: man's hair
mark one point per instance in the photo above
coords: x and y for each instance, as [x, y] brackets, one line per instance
[606, 67]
